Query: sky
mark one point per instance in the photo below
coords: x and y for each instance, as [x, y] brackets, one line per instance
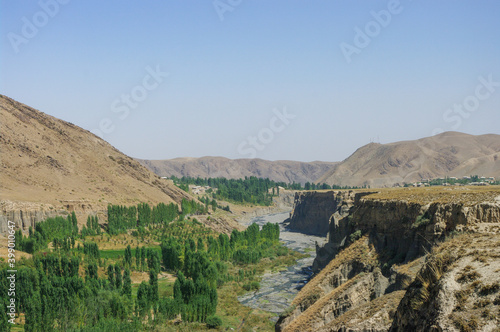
[277, 80]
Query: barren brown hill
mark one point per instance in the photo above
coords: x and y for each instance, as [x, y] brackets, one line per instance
[211, 167]
[447, 154]
[50, 161]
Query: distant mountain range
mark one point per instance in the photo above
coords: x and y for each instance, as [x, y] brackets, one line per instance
[447, 154]
[212, 167]
[47, 160]
[375, 165]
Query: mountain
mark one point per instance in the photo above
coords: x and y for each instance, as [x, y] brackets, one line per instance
[447, 154]
[205, 167]
[50, 161]
[376, 165]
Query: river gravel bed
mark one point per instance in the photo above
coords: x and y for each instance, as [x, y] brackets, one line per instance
[278, 289]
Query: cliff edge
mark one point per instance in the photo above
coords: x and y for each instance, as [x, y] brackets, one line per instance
[372, 271]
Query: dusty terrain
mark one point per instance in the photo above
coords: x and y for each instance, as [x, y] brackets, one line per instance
[48, 161]
[406, 259]
[375, 165]
[447, 154]
[212, 167]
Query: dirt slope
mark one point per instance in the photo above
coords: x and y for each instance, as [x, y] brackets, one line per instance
[50, 161]
[281, 170]
[446, 154]
[379, 275]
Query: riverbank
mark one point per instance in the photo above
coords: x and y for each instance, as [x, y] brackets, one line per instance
[278, 289]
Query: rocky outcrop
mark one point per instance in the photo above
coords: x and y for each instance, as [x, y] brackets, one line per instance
[375, 249]
[403, 231]
[338, 228]
[458, 289]
[312, 210]
[25, 215]
[346, 286]
[284, 200]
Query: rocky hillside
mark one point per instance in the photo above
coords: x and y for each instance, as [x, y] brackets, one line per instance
[374, 274]
[212, 167]
[458, 289]
[313, 210]
[447, 154]
[49, 166]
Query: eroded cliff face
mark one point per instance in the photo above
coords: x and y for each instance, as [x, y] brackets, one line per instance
[24, 215]
[375, 249]
[27, 214]
[458, 289]
[312, 210]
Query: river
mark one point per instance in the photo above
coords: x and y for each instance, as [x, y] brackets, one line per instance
[278, 289]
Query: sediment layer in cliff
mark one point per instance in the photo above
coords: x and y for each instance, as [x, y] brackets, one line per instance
[376, 249]
[312, 210]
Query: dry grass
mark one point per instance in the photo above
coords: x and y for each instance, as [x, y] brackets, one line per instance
[468, 274]
[305, 321]
[464, 324]
[468, 195]
[381, 309]
[443, 257]
[468, 263]
[359, 251]
[50, 161]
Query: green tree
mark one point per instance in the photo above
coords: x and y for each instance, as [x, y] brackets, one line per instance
[153, 287]
[128, 256]
[143, 258]
[142, 298]
[118, 277]
[111, 276]
[127, 284]
[4, 319]
[33, 313]
[170, 256]
[137, 257]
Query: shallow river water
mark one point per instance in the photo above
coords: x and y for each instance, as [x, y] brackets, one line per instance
[277, 290]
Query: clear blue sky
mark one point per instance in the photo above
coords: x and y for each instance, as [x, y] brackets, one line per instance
[226, 76]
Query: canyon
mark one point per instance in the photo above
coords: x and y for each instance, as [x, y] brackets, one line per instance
[387, 251]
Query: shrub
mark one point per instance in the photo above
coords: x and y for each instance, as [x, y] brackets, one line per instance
[465, 325]
[288, 311]
[490, 289]
[468, 275]
[213, 322]
[420, 221]
[254, 285]
[282, 251]
[354, 236]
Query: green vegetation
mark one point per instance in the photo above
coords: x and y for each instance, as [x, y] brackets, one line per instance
[214, 322]
[455, 181]
[354, 236]
[122, 218]
[62, 231]
[92, 228]
[251, 190]
[421, 221]
[64, 287]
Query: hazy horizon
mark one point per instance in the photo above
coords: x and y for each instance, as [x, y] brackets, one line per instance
[280, 80]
